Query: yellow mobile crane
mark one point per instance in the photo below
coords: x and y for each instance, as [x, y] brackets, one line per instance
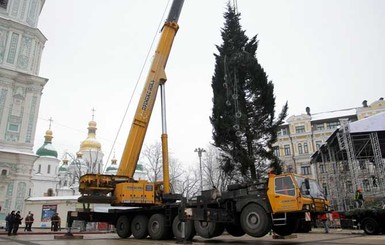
[285, 203]
[122, 189]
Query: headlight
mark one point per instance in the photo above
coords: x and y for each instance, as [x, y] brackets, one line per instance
[313, 206]
[306, 207]
[328, 208]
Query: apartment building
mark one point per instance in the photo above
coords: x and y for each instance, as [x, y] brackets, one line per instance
[302, 135]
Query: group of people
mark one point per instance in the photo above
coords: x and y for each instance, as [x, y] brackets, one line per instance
[13, 221]
[28, 221]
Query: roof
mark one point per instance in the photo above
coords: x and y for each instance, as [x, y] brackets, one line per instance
[53, 198]
[374, 123]
[333, 114]
[47, 150]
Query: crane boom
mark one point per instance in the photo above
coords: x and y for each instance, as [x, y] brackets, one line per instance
[142, 117]
[96, 187]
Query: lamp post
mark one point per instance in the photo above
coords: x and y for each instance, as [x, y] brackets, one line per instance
[200, 150]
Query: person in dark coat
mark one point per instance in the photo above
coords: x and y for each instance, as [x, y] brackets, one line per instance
[28, 222]
[17, 222]
[10, 220]
[55, 222]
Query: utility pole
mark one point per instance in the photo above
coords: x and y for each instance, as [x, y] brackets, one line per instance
[200, 150]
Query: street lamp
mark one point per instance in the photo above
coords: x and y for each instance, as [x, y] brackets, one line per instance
[200, 150]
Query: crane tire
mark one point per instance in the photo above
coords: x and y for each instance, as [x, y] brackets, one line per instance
[255, 221]
[123, 227]
[235, 230]
[139, 226]
[177, 229]
[207, 229]
[157, 227]
[370, 226]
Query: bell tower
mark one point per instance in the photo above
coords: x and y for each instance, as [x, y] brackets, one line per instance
[21, 87]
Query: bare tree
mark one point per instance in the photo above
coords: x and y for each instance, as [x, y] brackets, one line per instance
[188, 184]
[213, 175]
[182, 181]
[152, 161]
[176, 172]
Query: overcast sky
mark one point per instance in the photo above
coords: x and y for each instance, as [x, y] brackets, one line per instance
[324, 54]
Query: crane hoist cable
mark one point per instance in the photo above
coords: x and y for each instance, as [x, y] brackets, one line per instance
[137, 81]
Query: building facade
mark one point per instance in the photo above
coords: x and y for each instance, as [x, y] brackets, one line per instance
[302, 135]
[21, 47]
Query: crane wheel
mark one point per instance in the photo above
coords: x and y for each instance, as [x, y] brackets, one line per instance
[123, 227]
[370, 226]
[235, 230]
[157, 227]
[139, 226]
[189, 232]
[255, 221]
[208, 229]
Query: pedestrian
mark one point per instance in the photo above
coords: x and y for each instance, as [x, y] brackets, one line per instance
[359, 198]
[55, 222]
[325, 221]
[28, 222]
[17, 222]
[6, 221]
[10, 221]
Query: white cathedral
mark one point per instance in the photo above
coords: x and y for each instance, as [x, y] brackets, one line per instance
[24, 174]
[52, 177]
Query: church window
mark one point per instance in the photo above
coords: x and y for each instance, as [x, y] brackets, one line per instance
[3, 172]
[39, 169]
[3, 4]
[13, 127]
[49, 169]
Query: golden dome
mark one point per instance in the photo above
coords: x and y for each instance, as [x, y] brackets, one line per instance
[92, 124]
[91, 143]
[48, 135]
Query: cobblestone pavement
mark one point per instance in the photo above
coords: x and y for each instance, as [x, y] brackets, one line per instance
[338, 237]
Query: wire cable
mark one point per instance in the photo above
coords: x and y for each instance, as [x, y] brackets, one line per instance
[137, 82]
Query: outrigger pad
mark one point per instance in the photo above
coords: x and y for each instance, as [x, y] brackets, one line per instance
[68, 236]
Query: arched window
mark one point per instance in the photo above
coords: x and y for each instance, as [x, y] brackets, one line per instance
[4, 172]
[300, 150]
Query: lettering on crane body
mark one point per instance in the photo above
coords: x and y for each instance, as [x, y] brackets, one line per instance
[134, 188]
[147, 96]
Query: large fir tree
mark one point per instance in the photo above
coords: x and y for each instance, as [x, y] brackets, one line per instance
[243, 116]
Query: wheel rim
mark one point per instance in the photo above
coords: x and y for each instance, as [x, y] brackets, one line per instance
[137, 226]
[369, 227]
[252, 220]
[204, 224]
[155, 226]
